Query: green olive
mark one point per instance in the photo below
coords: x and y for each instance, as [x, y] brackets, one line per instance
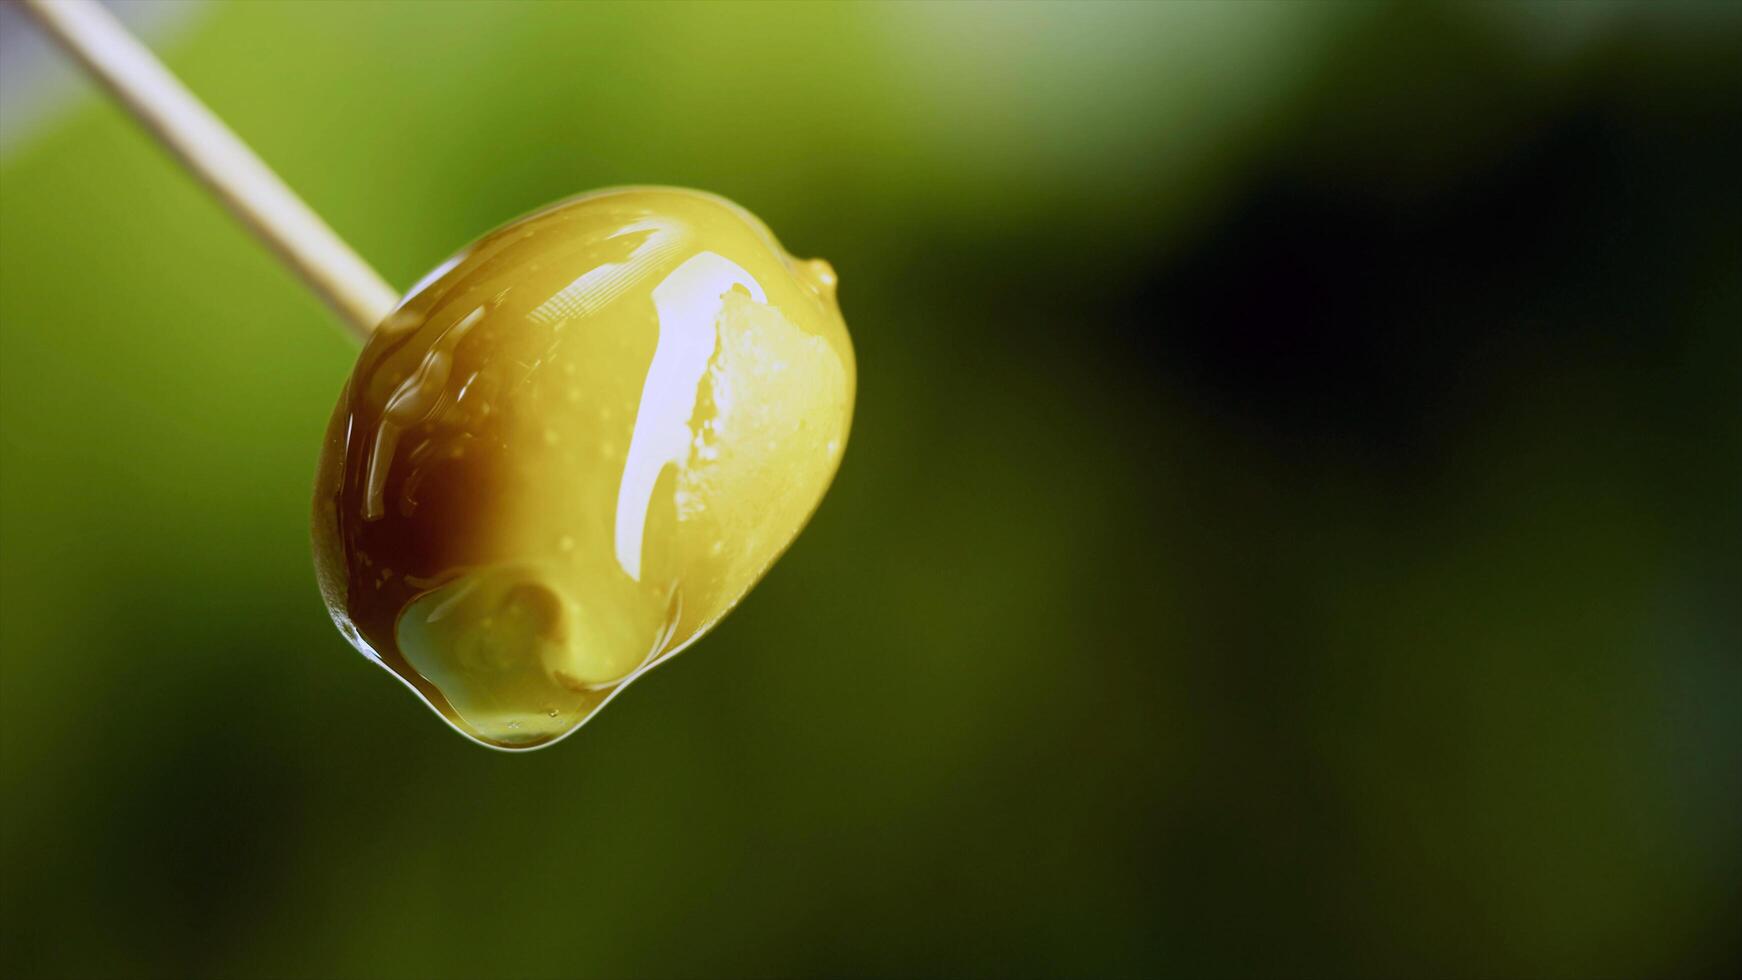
[573, 448]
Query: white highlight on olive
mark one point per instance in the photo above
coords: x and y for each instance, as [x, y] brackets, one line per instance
[688, 302]
[594, 289]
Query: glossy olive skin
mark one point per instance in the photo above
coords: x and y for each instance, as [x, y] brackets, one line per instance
[572, 449]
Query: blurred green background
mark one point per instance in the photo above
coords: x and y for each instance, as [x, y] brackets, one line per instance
[1292, 526]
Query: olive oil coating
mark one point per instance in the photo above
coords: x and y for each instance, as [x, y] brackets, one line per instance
[573, 448]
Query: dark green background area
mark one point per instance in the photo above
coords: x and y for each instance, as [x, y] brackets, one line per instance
[1292, 524]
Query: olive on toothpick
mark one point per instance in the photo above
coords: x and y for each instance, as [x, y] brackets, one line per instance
[568, 451]
[573, 449]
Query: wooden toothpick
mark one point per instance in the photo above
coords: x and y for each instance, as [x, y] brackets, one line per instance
[219, 159]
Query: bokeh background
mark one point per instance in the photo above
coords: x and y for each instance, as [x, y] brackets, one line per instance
[1292, 526]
